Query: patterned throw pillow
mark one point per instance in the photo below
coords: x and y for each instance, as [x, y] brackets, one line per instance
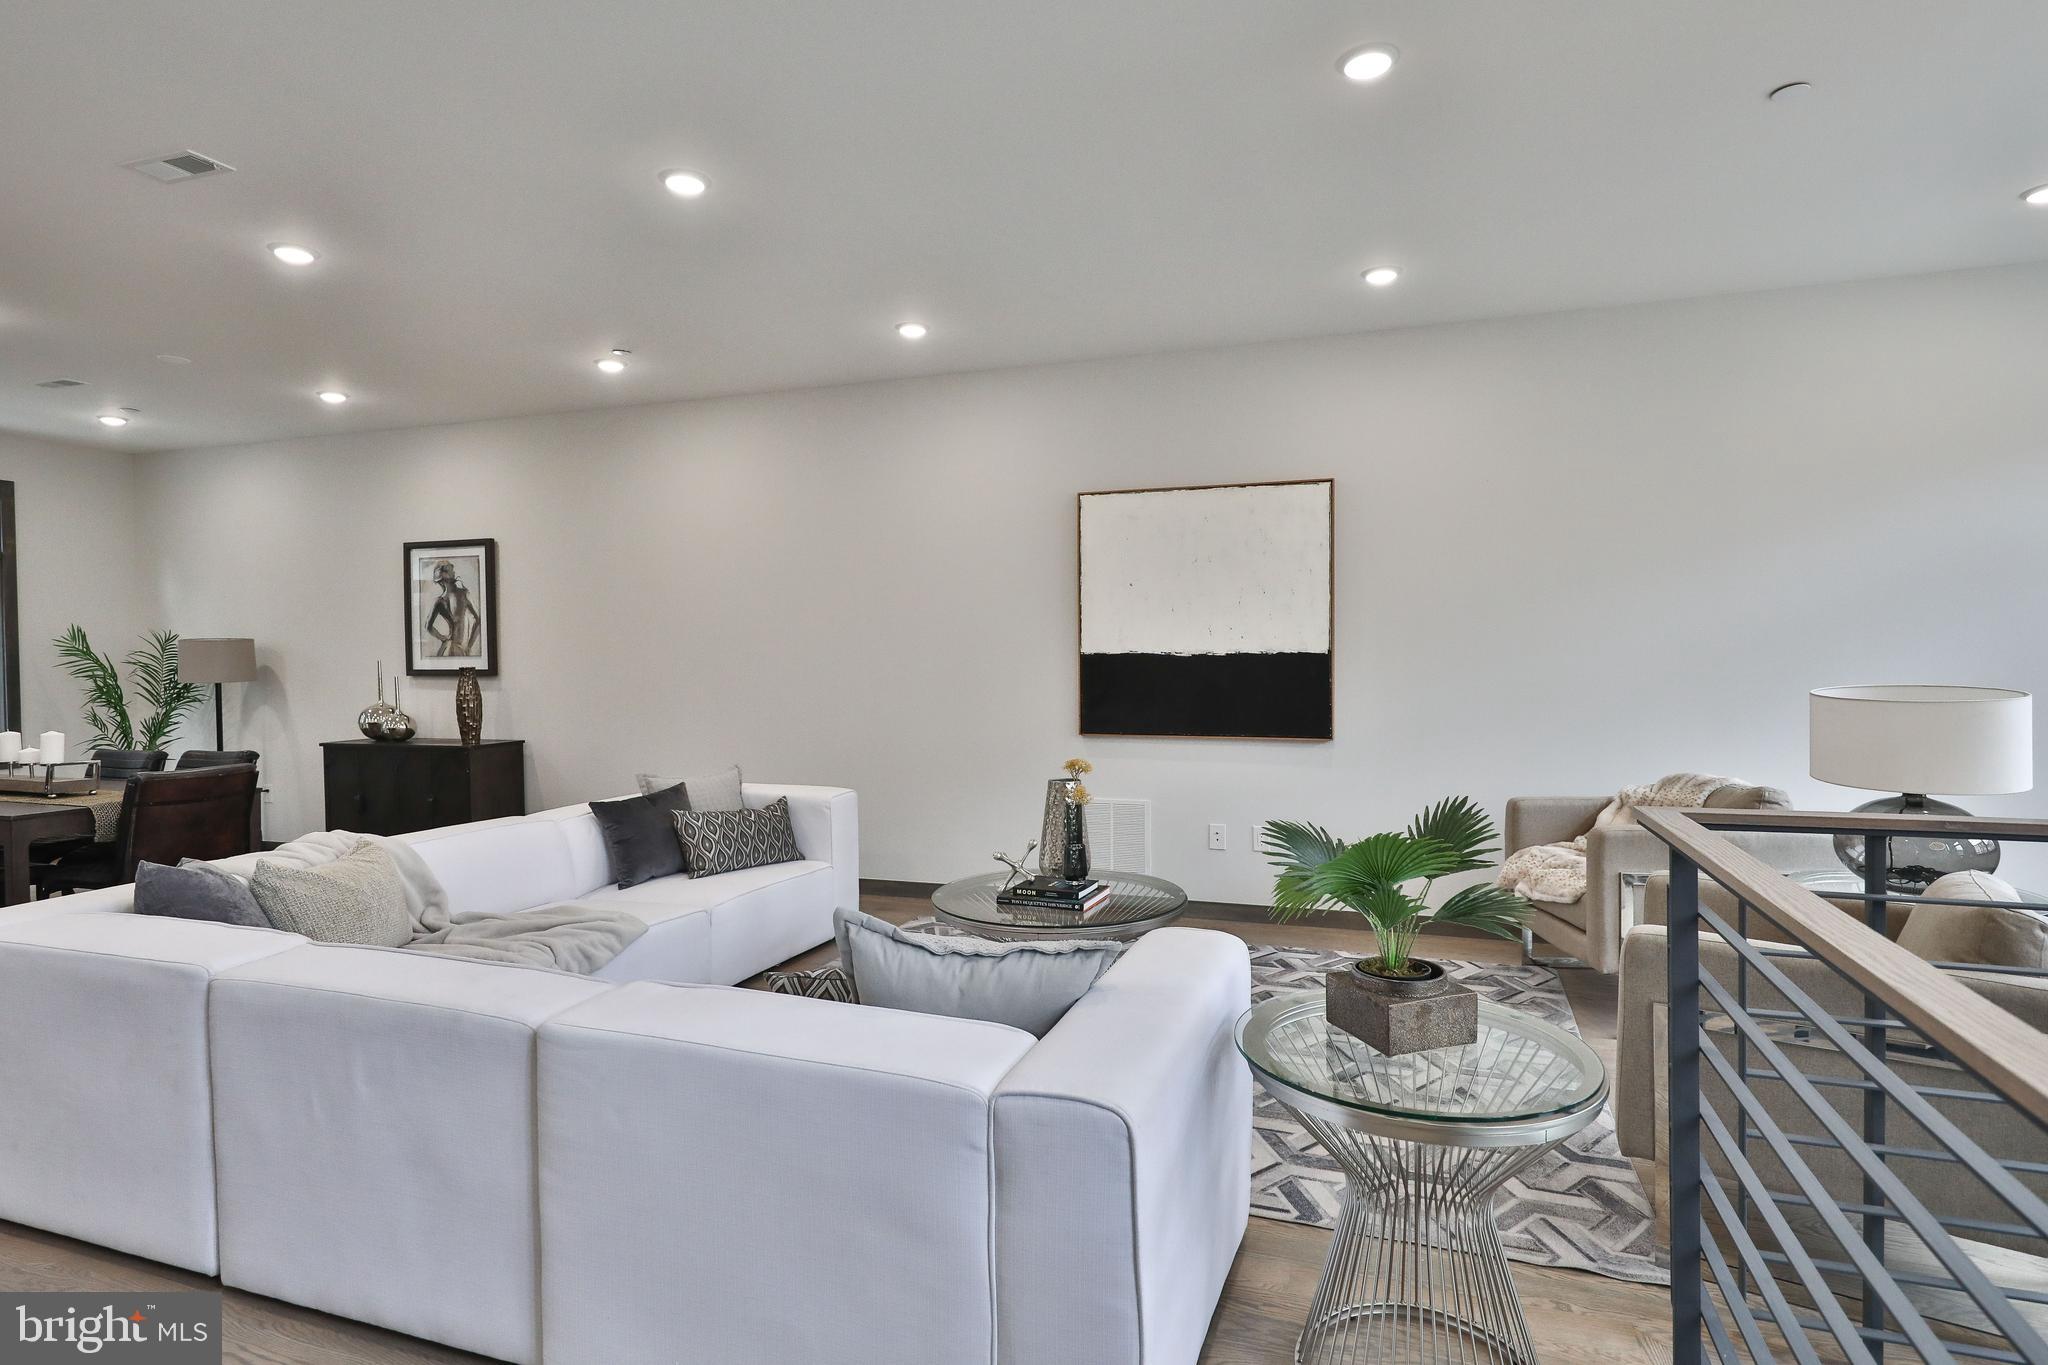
[357, 898]
[824, 983]
[717, 841]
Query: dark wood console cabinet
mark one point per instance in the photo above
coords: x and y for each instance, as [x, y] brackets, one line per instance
[379, 788]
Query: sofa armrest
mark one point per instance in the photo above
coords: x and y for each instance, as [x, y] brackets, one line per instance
[1533, 820]
[826, 821]
[1123, 1175]
[1644, 994]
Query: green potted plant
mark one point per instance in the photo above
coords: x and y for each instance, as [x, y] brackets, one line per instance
[1394, 1000]
[152, 668]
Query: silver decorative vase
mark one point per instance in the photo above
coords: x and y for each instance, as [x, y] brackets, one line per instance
[1052, 831]
[370, 720]
[398, 726]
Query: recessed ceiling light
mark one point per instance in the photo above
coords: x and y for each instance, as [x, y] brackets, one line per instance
[611, 364]
[2038, 197]
[1791, 91]
[293, 255]
[1367, 64]
[1380, 276]
[112, 419]
[911, 331]
[684, 184]
[332, 397]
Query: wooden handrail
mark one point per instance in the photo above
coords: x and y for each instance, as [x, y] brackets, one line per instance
[1999, 1046]
[1860, 822]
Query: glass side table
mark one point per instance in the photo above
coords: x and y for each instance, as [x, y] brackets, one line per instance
[1416, 1270]
[1137, 905]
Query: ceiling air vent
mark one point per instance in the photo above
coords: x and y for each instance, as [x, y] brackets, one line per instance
[61, 384]
[185, 165]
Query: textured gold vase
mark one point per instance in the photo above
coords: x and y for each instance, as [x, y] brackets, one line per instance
[469, 707]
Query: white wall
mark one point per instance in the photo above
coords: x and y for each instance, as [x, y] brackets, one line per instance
[76, 526]
[1572, 552]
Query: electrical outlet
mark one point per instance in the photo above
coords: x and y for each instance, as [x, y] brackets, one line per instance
[1219, 837]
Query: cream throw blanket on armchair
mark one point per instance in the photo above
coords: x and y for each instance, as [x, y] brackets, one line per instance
[1557, 872]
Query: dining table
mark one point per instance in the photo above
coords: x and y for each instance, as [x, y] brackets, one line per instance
[26, 820]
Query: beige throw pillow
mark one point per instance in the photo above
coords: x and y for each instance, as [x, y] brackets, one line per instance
[716, 790]
[357, 898]
[1987, 934]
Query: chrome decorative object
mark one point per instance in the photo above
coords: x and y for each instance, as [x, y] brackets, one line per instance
[469, 707]
[372, 717]
[1052, 831]
[398, 726]
[1016, 864]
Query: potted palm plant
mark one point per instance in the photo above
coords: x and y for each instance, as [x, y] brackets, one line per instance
[1394, 1000]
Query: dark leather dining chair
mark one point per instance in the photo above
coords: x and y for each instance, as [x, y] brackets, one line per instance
[203, 813]
[118, 765]
[223, 758]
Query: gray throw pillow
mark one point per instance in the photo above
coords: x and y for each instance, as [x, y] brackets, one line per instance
[640, 835]
[1028, 985]
[357, 898]
[717, 841]
[718, 790]
[195, 890]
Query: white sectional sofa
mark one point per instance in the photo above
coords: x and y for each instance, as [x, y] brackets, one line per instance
[644, 1165]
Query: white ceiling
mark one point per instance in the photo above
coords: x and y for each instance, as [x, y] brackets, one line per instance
[1037, 182]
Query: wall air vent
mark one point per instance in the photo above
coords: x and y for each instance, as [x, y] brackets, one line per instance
[61, 384]
[185, 165]
[1120, 834]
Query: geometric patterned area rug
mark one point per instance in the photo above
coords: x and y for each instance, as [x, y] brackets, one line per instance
[1580, 1207]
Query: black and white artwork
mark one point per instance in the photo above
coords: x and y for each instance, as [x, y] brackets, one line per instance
[451, 606]
[1207, 611]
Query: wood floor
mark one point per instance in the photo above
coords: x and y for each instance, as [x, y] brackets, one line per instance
[1577, 1318]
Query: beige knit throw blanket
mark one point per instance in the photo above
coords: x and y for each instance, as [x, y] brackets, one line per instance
[1557, 872]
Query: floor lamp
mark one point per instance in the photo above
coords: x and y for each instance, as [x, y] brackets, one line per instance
[217, 661]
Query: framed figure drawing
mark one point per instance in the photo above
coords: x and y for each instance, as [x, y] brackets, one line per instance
[1206, 612]
[451, 606]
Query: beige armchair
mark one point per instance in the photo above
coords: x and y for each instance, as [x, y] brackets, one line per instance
[1590, 928]
[1641, 1076]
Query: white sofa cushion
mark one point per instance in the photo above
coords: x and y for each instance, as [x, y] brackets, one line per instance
[499, 866]
[106, 1108]
[589, 866]
[750, 921]
[374, 1117]
[722, 1172]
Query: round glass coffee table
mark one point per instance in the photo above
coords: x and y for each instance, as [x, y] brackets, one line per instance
[1137, 905]
[1416, 1270]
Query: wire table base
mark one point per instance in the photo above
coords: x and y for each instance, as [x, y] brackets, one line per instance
[1415, 1270]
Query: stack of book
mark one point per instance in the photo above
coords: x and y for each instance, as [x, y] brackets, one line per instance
[1055, 896]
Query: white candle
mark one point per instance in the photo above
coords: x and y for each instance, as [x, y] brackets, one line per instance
[52, 746]
[27, 756]
[10, 745]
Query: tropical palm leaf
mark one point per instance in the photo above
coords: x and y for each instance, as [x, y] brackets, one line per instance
[154, 668]
[106, 706]
[1490, 909]
[1296, 849]
[1458, 823]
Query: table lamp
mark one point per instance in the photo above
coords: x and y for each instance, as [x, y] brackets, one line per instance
[1913, 739]
[217, 661]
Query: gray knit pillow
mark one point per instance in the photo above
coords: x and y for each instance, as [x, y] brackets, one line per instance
[357, 898]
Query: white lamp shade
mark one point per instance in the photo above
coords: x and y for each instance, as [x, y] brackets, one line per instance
[217, 660]
[1923, 738]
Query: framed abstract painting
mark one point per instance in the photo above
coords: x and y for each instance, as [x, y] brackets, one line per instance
[1207, 612]
[451, 606]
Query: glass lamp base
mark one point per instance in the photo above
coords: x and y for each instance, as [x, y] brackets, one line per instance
[1919, 860]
